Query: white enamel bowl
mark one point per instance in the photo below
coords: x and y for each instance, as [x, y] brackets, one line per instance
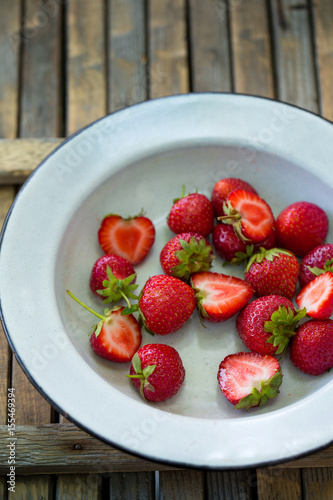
[139, 158]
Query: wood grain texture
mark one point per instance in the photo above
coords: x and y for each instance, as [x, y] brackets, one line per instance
[295, 65]
[168, 71]
[251, 48]
[86, 64]
[279, 484]
[127, 65]
[80, 486]
[230, 484]
[188, 484]
[32, 487]
[132, 485]
[317, 484]
[323, 22]
[210, 48]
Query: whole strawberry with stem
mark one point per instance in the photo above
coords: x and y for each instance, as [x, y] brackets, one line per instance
[250, 216]
[185, 254]
[157, 371]
[165, 304]
[317, 261]
[301, 226]
[311, 349]
[273, 272]
[267, 324]
[130, 238]
[191, 213]
[223, 188]
[116, 336]
[249, 379]
[317, 297]
[113, 277]
[219, 296]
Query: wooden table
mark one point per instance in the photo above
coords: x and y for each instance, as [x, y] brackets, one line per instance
[65, 63]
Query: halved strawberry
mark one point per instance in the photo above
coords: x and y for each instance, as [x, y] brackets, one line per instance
[131, 238]
[219, 296]
[250, 215]
[116, 337]
[317, 297]
[223, 188]
[249, 379]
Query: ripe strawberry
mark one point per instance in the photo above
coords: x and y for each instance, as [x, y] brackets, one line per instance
[157, 371]
[191, 213]
[317, 261]
[317, 297]
[311, 349]
[131, 238]
[267, 324]
[249, 379]
[301, 226]
[165, 304]
[250, 216]
[112, 277]
[219, 297]
[185, 254]
[223, 188]
[273, 272]
[116, 337]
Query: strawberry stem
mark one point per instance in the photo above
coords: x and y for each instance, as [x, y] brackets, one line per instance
[86, 307]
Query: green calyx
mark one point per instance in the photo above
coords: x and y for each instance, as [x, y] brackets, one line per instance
[282, 326]
[194, 257]
[142, 374]
[182, 195]
[258, 397]
[233, 218]
[243, 257]
[264, 254]
[117, 289]
[328, 267]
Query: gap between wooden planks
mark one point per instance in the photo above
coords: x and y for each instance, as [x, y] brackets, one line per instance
[64, 448]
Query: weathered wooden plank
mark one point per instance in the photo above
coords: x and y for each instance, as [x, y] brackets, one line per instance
[250, 36]
[279, 484]
[168, 56]
[33, 487]
[294, 57]
[210, 48]
[86, 64]
[317, 484]
[323, 22]
[133, 485]
[56, 448]
[322, 458]
[81, 486]
[230, 484]
[19, 157]
[188, 484]
[127, 65]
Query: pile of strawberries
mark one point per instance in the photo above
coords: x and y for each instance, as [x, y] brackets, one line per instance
[277, 254]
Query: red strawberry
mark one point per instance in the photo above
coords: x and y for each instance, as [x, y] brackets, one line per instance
[273, 272]
[112, 277]
[311, 349]
[191, 213]
[249, 379]
[301, 226]
[116, 337]
[267, 324]
[219, 297]
[250, 216]
[165, 304]
[223, 188]
[317, 297]
[157, 371]
[317, 261]
[131, 238]
[185, 254]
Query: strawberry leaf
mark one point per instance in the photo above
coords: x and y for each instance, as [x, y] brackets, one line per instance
[194, 257]
[282, 325]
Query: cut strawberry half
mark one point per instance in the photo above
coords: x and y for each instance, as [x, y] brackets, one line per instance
[249, 379]
[219, 296]
[130, 238]
[317, 297]
[250, 215]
